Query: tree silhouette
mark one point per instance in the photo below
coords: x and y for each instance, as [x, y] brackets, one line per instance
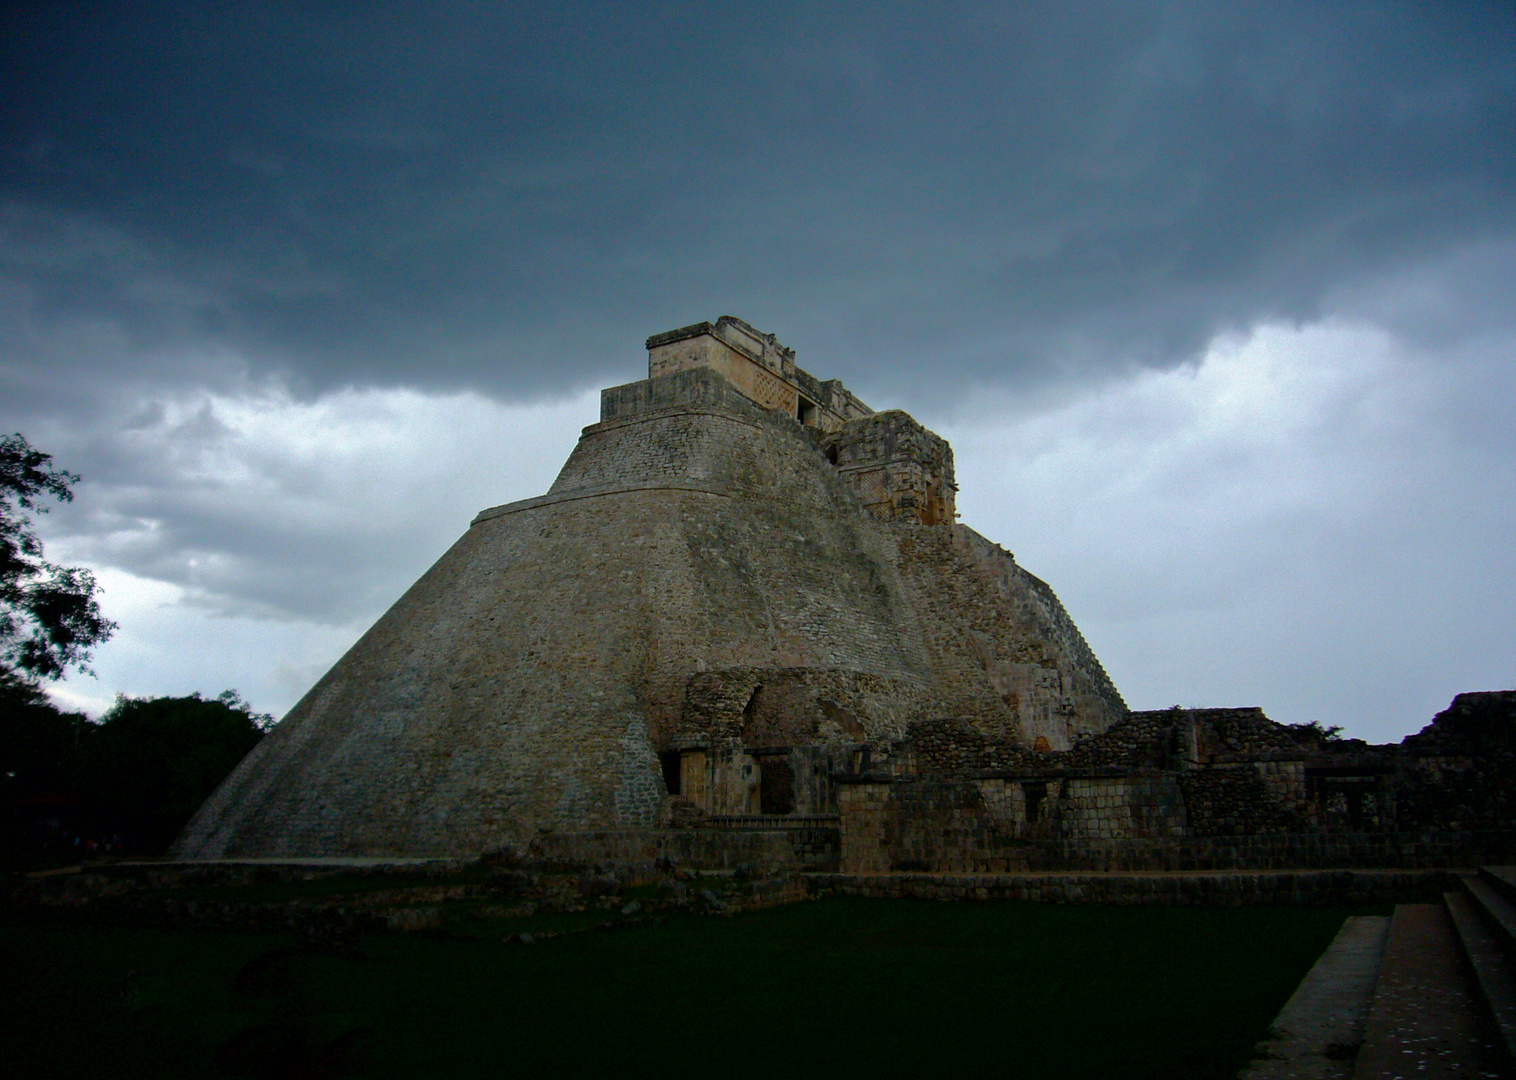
[49, 619]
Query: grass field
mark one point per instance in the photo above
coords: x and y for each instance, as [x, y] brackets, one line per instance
[841, 987]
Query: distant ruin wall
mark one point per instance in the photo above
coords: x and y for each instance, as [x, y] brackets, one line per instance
[1136, 823]
[1185, 789]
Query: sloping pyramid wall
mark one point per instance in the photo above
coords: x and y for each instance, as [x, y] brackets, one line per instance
[530, 677]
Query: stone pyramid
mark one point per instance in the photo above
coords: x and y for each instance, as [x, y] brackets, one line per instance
[743, 584]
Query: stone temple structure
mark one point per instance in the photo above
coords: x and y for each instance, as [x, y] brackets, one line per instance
[744, 588]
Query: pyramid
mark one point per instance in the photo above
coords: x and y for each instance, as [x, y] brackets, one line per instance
[743, 584]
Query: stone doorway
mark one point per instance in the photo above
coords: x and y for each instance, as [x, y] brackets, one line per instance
[776, 785]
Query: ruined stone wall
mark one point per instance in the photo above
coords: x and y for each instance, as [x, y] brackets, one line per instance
[1139, 806]
[952, 745]
[901, 471]
[1460, 768]
[766, 851]
[1246, 798]
[1190, 788]
[1105, 824]
[1139, 740]
[997, 824]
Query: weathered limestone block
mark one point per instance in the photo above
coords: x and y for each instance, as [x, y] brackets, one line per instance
[901, 471]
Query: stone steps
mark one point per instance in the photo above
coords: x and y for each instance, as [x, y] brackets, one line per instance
[1426, 1016]
[1498, 911]
[1485, 915]
[1428, 992]
[1491, 962]
[1317, 1033]
[1501, 878]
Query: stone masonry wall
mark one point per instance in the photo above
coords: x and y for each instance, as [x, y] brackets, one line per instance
[995, 824]
[1181, 789]
[1246, 798]
[768, 851]
[901, 471]
[981, 827]
[1014, 678]
[1064, 693]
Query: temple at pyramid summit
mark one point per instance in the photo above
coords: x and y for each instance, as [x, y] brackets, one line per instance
[743, 583]
[745, 626]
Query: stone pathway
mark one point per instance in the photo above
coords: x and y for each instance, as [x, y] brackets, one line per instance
[1319, 1029]
[1426, 1019]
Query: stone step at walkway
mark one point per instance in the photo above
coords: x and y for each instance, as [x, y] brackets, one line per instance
[1494, 964]
[1502, 877]
[1494, 905]
[1430, 992]
[1317, 1033]
[1427, 1018]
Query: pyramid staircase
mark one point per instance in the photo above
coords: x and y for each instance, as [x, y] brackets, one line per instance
[1428, 992]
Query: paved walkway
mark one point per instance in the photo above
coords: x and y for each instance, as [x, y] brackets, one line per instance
[1426, 1021]
[1316, 1032]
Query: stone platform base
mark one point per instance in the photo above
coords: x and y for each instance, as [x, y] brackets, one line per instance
[1209, 889]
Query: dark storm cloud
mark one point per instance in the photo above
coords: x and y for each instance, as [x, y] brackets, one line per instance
[460, 194]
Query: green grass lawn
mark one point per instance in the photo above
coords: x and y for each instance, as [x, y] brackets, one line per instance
[844, 987]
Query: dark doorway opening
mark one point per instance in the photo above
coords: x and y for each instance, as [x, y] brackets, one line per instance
[776, 786]
[671, 770]
[805, 412]
[1036, 794]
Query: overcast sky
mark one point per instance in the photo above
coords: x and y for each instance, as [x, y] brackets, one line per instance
[1216, 302]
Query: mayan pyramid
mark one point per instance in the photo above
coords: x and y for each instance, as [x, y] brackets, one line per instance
[743, 583]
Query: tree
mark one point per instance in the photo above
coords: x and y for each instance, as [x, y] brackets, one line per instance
[150, 763]
[39, 773]
[49, 619]
[69, 783]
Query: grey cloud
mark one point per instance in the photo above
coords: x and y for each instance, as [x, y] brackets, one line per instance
[1013, 202]
[430, 195]
[260, 506]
